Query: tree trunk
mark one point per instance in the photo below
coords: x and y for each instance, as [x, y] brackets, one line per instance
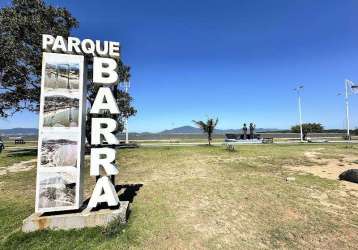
[209, 139]
[304, 136]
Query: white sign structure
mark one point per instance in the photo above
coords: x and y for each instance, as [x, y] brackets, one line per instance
[61, 133]
[62, 124]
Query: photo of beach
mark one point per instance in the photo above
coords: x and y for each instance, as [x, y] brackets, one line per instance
[58, 153]
[57, 189]
[61, 111]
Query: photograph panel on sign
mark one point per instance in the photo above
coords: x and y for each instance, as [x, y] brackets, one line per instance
[57, 189]
[59, 149]
[62, 73]
[60, 111]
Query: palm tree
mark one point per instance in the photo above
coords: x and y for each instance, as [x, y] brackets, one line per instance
[208, 127]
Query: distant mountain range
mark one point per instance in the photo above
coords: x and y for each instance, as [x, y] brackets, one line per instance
[18, 131]
[178, 130]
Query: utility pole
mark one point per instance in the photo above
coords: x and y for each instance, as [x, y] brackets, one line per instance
[346, 82]
[298, 89]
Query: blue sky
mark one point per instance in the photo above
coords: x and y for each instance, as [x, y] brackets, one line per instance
[236, 60]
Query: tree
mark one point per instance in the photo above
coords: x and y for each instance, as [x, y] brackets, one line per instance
[22, 25]
[355, 131]
[307, 128]
[208, 127]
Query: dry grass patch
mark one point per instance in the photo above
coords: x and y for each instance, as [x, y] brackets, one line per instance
[208, 198]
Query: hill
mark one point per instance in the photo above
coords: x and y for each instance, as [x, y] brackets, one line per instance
[182, 130]
[18, 131]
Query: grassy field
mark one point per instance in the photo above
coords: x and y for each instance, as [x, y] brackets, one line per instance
[205, 198]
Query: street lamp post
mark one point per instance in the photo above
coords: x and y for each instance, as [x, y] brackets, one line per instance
[346, 82]
[298, 89]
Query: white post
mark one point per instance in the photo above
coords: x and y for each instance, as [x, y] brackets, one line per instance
[300, 113]
[298, 89]
[347, 109]
[126, 127]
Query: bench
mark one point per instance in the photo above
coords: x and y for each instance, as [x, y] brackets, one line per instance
[230, 147]
[267, 140]
[19, 141]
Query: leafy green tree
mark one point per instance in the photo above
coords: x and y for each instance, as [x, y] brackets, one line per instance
[21, 29]
[355, 131]
[207, 127]
[307, 128]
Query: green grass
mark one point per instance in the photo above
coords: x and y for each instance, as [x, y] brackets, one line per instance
[9, 157]
[204, 197]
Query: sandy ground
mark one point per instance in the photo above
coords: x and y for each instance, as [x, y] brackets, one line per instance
[329, 168]
[18, 167]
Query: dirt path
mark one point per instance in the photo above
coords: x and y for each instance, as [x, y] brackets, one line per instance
[18, 167]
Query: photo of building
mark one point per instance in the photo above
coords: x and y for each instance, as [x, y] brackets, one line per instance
[57, 189]
[62, 76]
[61, 111]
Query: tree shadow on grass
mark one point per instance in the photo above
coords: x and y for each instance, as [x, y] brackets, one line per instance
[22, 152]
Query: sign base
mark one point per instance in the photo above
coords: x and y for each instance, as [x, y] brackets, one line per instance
[76, 220]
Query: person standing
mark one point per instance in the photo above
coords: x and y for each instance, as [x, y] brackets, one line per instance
[2, 146]
[244, 129]
[252, 130]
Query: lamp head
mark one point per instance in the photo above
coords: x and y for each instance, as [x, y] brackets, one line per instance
[298, 88]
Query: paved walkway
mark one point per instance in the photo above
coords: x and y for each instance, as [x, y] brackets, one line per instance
[188, 144]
